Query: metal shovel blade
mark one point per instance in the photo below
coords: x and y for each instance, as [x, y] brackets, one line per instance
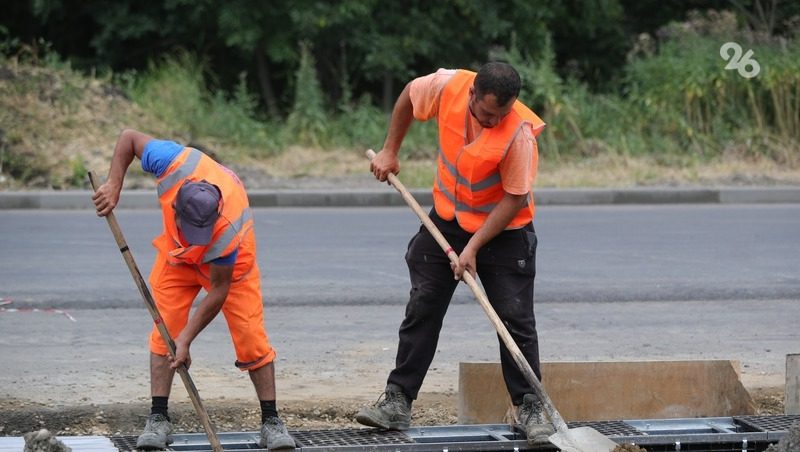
[582, 439]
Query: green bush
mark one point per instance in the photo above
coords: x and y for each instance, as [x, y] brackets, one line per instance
[307, 124]
[174, 91]
[711, 109]
[678, 103]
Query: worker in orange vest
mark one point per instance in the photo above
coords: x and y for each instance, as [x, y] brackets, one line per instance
[484, 207]
[207, 243]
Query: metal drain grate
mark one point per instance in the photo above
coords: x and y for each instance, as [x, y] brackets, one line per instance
[729, 434]
[126, 443]
[311, 438]
[608, 428]
[768, 423]
[349, 437]
[683, 447]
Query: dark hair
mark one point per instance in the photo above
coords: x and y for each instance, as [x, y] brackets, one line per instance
[500, 79]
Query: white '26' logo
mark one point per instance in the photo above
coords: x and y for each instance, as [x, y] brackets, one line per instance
[739, 62]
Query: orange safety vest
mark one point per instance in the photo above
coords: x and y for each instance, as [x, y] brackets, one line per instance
[468, 184]
[234, 227]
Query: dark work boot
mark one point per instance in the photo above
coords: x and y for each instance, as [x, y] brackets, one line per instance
[392, 411]
[532, 418]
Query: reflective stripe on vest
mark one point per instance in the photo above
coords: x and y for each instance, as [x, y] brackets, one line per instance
[217, 249]
[180, 173]
[460, 206]
[488, 182]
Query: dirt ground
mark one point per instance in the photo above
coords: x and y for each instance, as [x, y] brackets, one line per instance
[18, 417]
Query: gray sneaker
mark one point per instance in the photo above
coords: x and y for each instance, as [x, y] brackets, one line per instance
[157, 433]
[532, 418]
[275, 436]
[392, 411]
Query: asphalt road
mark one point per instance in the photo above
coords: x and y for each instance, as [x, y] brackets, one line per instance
[354, 256]
[615, 283]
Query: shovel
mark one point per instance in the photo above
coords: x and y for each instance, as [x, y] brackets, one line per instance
[213, 440]
[581, 439]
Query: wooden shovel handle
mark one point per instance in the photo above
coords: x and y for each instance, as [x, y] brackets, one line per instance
[483, 300]
[151, 306]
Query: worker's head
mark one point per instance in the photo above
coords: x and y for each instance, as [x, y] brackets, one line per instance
[493, 93]
[197, 210]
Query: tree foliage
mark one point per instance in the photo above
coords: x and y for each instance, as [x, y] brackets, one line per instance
[359, 46]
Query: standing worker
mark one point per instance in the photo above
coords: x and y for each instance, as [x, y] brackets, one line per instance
[207, 242]
[483, 206]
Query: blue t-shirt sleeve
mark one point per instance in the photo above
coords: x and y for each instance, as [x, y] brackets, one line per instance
[158, 154]
[230, 259]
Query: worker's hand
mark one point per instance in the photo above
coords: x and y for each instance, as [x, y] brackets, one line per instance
[106, 198]
[182, 356]
[385, 162]
[466, 262]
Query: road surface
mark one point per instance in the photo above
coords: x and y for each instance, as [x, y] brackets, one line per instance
[614, 283]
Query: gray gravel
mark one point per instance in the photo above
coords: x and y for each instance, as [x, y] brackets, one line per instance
[790, 442]
[43, 441]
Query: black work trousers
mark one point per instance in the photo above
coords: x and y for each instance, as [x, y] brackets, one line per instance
[506, 268]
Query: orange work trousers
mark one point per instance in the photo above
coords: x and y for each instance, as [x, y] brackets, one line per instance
[176, 286]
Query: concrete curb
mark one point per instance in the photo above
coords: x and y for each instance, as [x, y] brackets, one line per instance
[386, 196]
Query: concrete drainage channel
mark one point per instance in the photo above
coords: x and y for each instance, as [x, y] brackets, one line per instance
[721, 434]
